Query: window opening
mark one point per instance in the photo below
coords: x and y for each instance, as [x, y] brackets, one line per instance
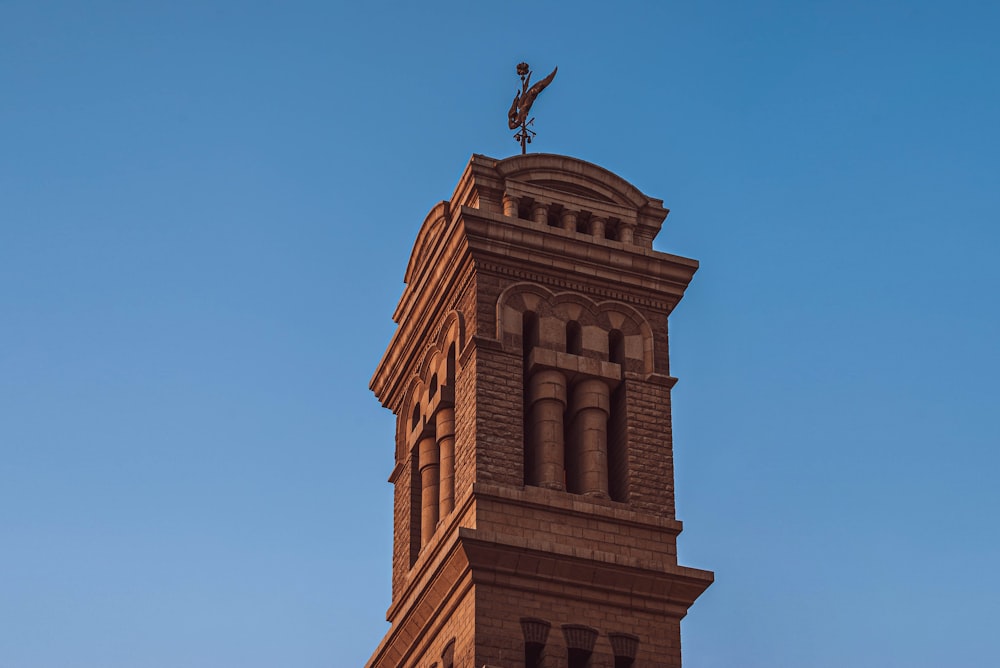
[625, 647]
[529, 339]
[533, 654]
[616, 347]
[579, 658]
[574, 338]
[450, 372]
[611, 232]
[579, 644]
[536, 632]
[415, 500]
[448, 655]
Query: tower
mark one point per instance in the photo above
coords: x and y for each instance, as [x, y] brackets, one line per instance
[530, 378]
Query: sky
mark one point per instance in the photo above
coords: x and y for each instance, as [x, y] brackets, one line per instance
[206, 210]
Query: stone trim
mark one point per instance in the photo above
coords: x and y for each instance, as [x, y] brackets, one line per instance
[579, 637]
[535, 630]
[624, 645]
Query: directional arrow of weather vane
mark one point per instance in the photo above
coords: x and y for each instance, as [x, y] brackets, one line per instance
[517, 117]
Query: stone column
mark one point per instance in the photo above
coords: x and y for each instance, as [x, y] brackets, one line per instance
[509, 205]
[429, 487]
[446, 448]
[597, 227]
[540, 213]
[547, 394]
[626, 233]
[590, 409]
[568, 220]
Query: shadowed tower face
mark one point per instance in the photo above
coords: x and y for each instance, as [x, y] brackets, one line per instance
[530, 379]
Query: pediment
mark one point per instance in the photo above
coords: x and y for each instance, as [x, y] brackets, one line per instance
[572, 176]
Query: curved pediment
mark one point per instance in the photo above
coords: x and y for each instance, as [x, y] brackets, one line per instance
[572, 176]
[429, 235]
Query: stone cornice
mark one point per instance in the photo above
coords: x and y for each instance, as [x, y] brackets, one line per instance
[431, 556]
[574, 284]
[575, 504]
[533, 251]
[512, 562]
[409, 632]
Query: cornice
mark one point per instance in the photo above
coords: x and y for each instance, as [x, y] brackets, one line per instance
[547, 279]
[527, 564]
[539, 498]
[531, 251]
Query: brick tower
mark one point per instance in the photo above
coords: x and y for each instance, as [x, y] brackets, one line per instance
[530, 379]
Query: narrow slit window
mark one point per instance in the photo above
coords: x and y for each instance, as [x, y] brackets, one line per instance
[574, 338]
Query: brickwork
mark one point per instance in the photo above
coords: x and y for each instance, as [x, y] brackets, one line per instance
[533, 480]
[650, 457]
[500, 639]
[499, 404]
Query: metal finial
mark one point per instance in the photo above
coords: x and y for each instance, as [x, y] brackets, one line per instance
[517, 117]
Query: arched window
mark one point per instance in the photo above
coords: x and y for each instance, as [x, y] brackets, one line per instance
[448, 655]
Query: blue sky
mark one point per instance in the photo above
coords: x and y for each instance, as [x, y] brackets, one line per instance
[206, 210]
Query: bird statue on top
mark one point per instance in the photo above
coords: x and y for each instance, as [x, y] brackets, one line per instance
[517, 117]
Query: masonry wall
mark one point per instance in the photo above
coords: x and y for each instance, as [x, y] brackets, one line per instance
[650, 447]
[456, 626]
[500, 642]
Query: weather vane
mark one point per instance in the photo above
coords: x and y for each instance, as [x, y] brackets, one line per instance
[517, 117]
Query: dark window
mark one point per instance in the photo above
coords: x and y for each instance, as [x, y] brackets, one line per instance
[415, 501]
[533, 654]
[536, 632]
[529, 332]
[574, 337]
[616, 347]
[579, 658]
[450, 380]
[529, 339]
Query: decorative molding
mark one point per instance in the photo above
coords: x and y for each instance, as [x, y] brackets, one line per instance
[574, 285]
